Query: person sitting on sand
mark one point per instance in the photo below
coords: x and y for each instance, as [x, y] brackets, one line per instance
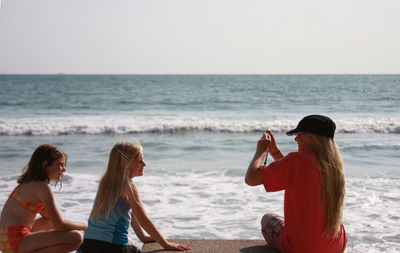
[111, 214]
[314, 184]
[20, 231]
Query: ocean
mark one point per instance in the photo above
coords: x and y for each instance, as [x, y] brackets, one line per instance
[199, 133]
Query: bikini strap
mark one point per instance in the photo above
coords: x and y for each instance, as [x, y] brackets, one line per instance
[32, 207]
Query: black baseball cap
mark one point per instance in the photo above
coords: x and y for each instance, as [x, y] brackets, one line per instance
[315, 124]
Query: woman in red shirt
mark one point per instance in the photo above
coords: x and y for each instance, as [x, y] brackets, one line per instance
[314, 184]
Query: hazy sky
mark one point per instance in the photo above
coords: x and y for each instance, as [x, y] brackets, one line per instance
[200, 36]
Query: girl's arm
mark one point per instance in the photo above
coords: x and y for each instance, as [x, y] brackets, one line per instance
[132, 195]
[138, 230]
[43, 213]
[42, 223]
[53, 214]
[273, 147]
[253, 176]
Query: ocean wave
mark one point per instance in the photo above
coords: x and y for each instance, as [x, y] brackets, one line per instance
[119, 125]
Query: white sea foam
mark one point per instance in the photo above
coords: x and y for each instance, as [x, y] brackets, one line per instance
[218, 205]
[106, 125]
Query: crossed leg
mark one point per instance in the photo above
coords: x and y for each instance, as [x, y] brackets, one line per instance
[271, 228]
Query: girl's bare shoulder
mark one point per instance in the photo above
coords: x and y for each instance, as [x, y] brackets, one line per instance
[34, 186]
[130, 192]
[129, 187]
[34, 190]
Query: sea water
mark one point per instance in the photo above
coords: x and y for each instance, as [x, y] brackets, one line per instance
[199, 134]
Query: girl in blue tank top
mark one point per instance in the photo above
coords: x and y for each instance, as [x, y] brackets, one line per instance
[118, 204]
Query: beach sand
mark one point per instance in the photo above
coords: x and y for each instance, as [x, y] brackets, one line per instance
[215, 246]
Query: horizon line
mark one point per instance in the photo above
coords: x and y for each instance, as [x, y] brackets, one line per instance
[185, 74]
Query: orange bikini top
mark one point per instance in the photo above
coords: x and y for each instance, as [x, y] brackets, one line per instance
[32, 207]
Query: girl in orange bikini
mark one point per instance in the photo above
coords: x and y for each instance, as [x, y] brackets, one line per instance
[20, 231]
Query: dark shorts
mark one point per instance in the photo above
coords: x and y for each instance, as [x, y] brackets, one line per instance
[97, 246]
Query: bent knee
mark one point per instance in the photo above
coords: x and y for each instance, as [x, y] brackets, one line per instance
[266, 216]
[75, 238]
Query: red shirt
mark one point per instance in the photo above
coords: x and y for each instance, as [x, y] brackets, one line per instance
[305, 218]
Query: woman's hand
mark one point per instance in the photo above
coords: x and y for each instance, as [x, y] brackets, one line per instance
[264, 143]
[175, 246]
[273, 148]
[253, 176]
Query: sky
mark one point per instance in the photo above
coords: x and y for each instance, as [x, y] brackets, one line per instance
[200, 37]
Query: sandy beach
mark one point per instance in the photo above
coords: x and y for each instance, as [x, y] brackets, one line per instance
[215, 246]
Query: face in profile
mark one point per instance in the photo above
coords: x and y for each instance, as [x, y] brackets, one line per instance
[137, 166]
[56, 169]
[304, 141]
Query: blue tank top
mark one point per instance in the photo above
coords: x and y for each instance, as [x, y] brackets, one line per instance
[112, 229]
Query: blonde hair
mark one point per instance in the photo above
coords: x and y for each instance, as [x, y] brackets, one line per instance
[332, 181]
[112, 182]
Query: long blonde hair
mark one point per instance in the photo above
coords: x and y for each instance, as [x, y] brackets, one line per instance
[332, 181]
[112, 182]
